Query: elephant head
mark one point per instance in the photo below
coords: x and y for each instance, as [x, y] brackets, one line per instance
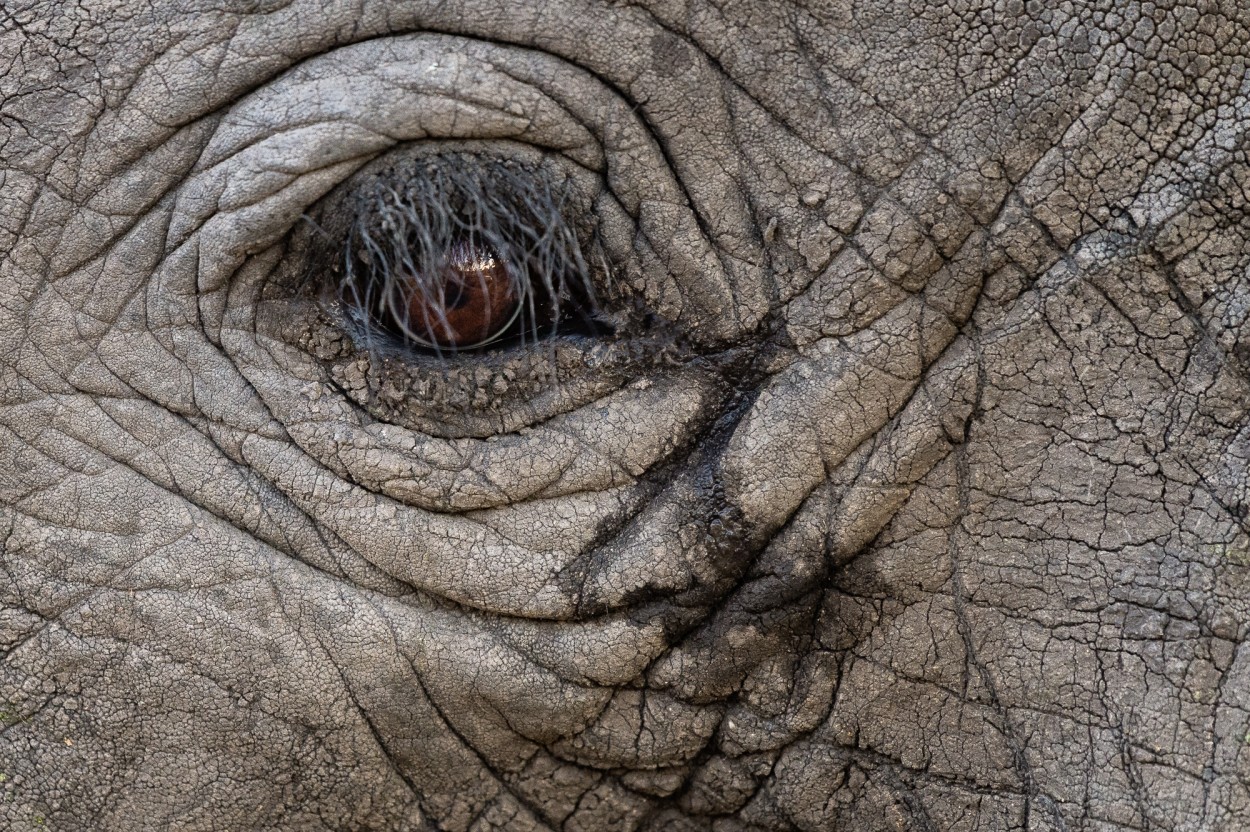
[593, 415]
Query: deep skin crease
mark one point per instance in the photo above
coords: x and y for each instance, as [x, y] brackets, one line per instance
[909, 490]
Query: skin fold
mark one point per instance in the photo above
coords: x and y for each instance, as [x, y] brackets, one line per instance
[922, 505]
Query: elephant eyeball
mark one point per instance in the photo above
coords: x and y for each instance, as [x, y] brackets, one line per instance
[469, 301]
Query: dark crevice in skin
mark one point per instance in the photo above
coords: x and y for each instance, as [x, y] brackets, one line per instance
[1132, 772]
[904, 793]
[499, 776]
[711, 749]
[1017, 744]
[395, 766]
[697, 460]
[876, 759]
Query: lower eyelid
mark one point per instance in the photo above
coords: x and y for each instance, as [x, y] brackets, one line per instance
[567, 454]
[463, 396]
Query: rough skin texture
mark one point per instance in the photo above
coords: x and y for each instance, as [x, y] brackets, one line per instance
[945, 528]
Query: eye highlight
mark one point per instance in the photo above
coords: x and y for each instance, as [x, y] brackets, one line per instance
[461, 254]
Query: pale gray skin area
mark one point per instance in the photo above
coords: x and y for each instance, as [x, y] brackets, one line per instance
[962, 546]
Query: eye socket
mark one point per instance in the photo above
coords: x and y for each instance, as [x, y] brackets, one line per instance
[468, 290]
[462, 254]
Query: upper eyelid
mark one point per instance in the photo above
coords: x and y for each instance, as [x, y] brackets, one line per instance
[399, 99]
[267, 172]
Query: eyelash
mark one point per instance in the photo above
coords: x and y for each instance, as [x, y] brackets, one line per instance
[409, 226]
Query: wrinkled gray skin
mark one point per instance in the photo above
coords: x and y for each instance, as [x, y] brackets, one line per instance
[948, 531]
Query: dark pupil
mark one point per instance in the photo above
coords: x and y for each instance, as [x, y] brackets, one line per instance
[457, 296]
[471, 299]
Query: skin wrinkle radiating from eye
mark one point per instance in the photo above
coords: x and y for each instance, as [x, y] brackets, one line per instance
[906, 489]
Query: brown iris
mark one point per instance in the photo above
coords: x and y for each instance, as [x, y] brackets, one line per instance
[471, 300]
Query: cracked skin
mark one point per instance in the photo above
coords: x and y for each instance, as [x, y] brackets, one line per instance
[923, 505]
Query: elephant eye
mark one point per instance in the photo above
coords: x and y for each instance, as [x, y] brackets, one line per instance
[463, 254]
[470, 289]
